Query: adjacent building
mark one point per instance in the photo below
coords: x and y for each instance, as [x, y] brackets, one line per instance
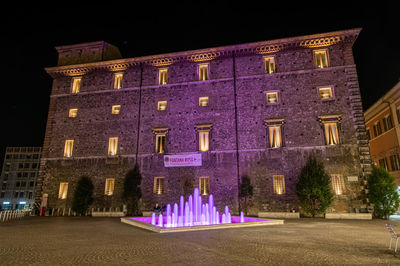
[204, 118]
[18, 177]
[382, 120]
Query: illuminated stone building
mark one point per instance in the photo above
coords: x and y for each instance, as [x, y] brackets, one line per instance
[382, 120]
[206, 117]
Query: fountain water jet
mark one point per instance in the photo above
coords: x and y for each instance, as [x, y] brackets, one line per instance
[195, 214]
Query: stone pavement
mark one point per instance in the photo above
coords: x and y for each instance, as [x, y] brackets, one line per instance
[107, 241]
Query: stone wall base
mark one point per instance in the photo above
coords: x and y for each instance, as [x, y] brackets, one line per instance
[286, 215]
[108, 214]
[355, 216]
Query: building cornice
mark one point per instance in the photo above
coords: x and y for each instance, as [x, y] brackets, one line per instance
[201, 55]
[382, 104]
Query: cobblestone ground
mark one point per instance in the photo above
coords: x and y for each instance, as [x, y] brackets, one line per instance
[107, 241]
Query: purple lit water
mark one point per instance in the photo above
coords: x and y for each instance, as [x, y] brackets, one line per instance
[194, 212]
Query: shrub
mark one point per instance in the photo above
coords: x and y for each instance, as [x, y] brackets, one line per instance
[83, 195]
[313, 187]
[132, 191]
[382, 192]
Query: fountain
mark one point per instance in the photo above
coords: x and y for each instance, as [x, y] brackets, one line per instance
[194, 214]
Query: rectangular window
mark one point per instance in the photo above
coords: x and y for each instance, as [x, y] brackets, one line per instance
[387, 123]
[398, 115]
[395, 162]
[63, 190]
[109, 188]
[162, 76]
[162, 105]
[325, 93]
[377, 129]
[368, 134]
[204, 185]
[158, 185]
[73, 113]
[203, 101]
[160, 143]
[69, 145]
[272, 97]
[331, 134]
[338, 184]
[76, 84]
[275, 136]
[203, 72]
[204, 140]
[115, 109]
[269, 64]
[112, 146]
[118, 80]
[321, 58]
[383, 163]
[279, 184]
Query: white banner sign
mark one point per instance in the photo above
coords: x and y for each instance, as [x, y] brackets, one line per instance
[182, 160]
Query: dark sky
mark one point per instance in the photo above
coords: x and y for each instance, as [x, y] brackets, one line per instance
[29, 35]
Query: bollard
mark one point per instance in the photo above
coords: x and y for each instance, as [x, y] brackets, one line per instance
[63, 212]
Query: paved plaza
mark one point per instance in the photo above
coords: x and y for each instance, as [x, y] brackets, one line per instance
[107, 241]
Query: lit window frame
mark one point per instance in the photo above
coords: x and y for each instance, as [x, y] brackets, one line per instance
[73, 112]
[63, 190]
[204, 101]
[269, 64]
[275, 132]
[109, 186]
[118, 78]
[112, 146]
[76, 84]
[330, 93]
[159, 185]
[269, 95]
[68, 148]
[279, 184]
[204, 71]
[338, 184]
[116, 109]
[323, 63]
[162, 76]
[331, 125]
[204, 185]
[203, 131]
[160, 139]
[162, 105]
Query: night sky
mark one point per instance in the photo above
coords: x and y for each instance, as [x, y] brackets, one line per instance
[29, 35]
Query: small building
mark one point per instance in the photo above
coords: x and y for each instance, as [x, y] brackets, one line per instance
[205, 118]
[382, 122]
[18, 177]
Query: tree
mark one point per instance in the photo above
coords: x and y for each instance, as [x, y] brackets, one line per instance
[132, 191]
[245, 192]
[83, 195]
[382, 192]
[313, 187]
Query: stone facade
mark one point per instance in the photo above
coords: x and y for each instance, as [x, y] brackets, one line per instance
[237, 118]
